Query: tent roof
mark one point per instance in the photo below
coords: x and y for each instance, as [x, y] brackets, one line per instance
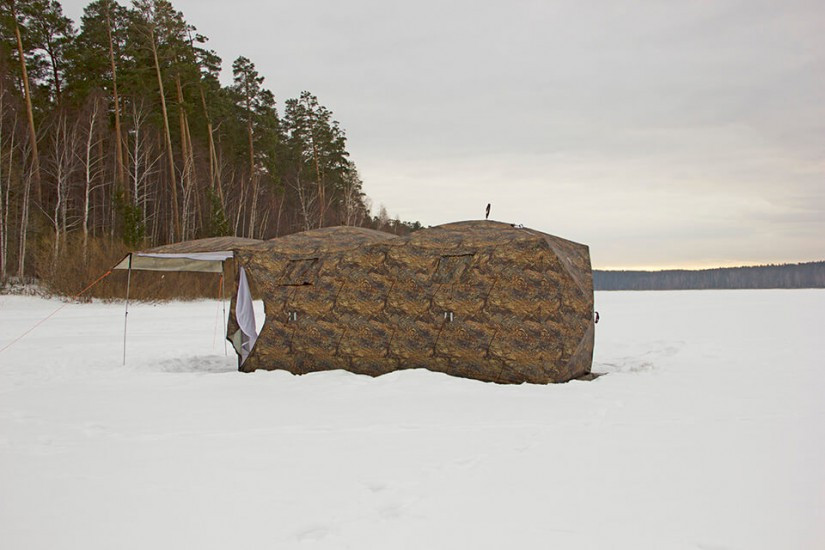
[210, 244]
[196, 255]
[481, 232]
[459, 236]
[326, 239]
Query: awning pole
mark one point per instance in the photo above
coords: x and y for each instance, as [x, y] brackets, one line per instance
[223, 302]
[126, 313]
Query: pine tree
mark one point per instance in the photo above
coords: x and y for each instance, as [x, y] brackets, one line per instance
[158, 22]
[26, 55]
[52, 33]
[317, 148]
[257, 110]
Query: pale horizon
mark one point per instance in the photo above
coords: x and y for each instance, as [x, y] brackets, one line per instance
[696, 268]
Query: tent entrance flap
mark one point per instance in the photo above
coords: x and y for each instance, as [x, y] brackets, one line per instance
[244, 338]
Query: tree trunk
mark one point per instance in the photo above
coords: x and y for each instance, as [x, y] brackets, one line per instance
[24, 225]
[55, 72]
[3, 196]
[35, 158]
[262, 224]
[121, 169]
[198, 213]
[252, 176]
[5, 199]
[210, 138]
[87, 188]
[63, 152]
[172, 179]
[321, 197]
[256, 187]
[186, 173]
[278, 221]
[219, 171]
[239, 215]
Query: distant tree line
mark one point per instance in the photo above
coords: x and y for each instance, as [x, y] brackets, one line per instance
[802, 275]
[119, 129]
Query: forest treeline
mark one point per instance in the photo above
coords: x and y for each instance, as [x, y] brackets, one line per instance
[116, 133]
[802, 275]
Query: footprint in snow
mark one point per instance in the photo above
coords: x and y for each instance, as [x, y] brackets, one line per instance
[92, 429]
[312, 533]
[199, 364]
[392, 510]
[625, 365]
[375, 486]
[468, 462]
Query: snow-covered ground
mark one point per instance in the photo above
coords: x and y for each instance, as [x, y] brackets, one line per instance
[707, 433]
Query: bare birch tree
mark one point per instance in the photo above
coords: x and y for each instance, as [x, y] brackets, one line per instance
[4, 192]
[23, 229]
[306, 202]
[92, 169]
[62, 162]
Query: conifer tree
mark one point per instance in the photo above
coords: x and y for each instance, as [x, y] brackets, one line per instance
[257, 109]
[317, 147]
[15, 11]
[157, 17]
[99, 102]
[52, 33]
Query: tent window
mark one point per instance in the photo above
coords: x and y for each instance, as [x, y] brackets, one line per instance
[451, 268]
[300, 272]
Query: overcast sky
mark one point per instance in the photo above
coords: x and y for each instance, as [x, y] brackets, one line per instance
[661, 134]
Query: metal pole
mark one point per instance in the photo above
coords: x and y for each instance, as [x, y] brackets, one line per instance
[126, 313]
[223, 303]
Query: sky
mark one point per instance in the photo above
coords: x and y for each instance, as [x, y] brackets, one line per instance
[660, 134]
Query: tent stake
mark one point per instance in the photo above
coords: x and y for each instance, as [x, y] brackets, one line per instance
[126, 313]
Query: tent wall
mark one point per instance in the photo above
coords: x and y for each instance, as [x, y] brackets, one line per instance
[481, 300]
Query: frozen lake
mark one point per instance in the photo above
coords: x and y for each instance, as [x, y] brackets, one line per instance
[707, 433]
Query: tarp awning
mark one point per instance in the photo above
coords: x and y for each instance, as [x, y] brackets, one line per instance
[204, 255]
[210, 262]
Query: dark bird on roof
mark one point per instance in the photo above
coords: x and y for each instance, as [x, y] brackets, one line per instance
[487, 215]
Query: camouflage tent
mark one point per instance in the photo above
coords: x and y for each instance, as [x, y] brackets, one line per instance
[476, 299]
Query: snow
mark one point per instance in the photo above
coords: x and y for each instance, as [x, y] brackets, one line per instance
[707, 433]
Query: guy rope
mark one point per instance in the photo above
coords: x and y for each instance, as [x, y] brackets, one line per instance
[53, 313]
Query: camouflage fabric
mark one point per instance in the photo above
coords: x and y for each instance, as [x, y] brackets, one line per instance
[318, 241]
[210, 244]
[476, 299]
